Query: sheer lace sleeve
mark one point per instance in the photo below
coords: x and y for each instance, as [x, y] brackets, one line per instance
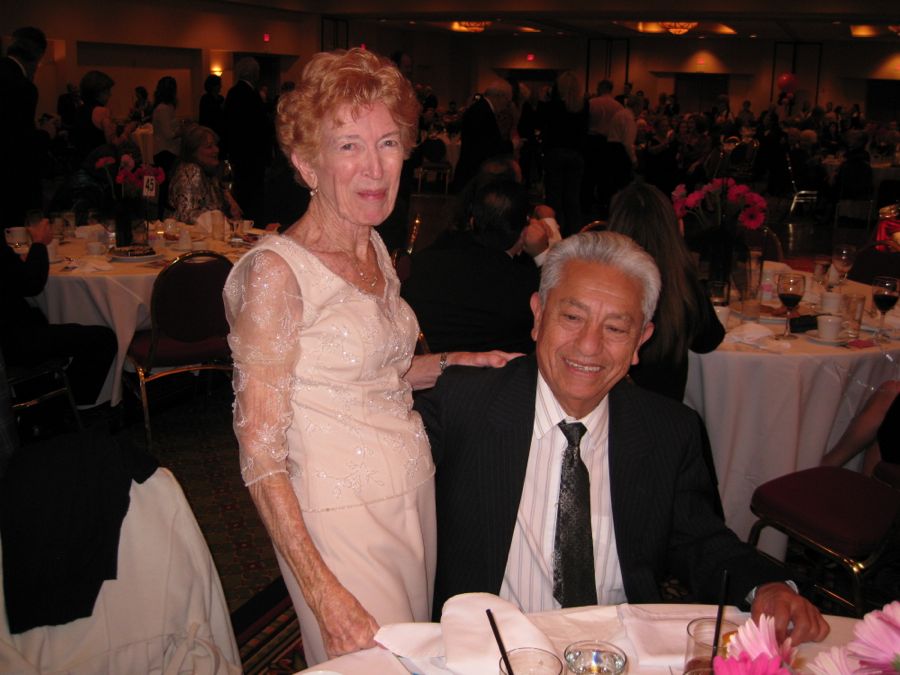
[264, 309]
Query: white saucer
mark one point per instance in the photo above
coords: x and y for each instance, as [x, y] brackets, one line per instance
[842, 338]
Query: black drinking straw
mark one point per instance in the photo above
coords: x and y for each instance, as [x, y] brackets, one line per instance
[499, 640]
[723, 593]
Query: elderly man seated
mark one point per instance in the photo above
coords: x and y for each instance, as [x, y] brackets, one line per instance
[559, 484]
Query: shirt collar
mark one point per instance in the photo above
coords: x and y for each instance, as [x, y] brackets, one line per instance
[548, 414]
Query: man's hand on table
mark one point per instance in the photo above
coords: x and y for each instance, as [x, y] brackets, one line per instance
[781, 602]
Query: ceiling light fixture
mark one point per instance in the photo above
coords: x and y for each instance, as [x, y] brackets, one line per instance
[470, 26]
[895, 29]
[678, 27]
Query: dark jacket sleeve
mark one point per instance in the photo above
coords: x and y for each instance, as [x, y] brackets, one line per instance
[24, 278]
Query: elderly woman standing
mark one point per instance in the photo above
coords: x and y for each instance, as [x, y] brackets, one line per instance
[337, 463]
[194, 186]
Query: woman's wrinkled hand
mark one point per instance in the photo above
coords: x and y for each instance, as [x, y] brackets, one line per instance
[491, 359]
[345, 625]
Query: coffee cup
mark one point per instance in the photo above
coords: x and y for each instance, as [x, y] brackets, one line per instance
[829, 326]
[96, 248]
[831, 302]
[17, 236]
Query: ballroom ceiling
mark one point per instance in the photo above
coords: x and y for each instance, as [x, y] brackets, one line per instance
[800, 20]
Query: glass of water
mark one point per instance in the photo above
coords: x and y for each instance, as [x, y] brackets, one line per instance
[591, 656]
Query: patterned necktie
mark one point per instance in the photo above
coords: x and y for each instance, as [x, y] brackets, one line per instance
[573, 552]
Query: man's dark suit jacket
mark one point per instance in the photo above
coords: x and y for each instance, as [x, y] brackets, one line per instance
[248, 143]
[469, 297]
[480, 139]
[480, 423]
[21, 146]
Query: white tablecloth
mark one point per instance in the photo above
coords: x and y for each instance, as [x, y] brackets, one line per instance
[118, 298]
[564, 627]
[770, 414]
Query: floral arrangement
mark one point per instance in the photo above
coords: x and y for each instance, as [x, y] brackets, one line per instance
[741, 205]
[754, 650]
[129, 176]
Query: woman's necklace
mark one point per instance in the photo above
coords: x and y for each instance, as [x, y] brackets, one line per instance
[370, 280]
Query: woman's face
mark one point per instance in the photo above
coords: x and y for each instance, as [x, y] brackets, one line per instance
[208, 154]
[357, 170]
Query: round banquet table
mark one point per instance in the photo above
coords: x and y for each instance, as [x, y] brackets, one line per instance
[565, 626]
[772, 413]
[118, 297]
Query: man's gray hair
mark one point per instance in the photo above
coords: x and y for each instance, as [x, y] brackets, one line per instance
[606, 248]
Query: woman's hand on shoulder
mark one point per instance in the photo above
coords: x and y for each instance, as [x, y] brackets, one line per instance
[491, 359]
[345, 624]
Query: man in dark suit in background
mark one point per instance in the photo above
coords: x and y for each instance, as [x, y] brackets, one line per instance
[624, 464]
[22, 146]
[248, 138]
[480, 135]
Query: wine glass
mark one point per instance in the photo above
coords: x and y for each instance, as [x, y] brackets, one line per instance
[791, 287]
[885, 291]
[842, 257]
[227, 176]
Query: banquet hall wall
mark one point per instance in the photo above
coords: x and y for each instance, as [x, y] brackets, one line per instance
[139, 41]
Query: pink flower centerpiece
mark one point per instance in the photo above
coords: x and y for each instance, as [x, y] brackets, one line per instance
[875, 649]
[741, 205]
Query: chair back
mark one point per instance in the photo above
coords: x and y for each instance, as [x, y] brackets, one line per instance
[186, 304]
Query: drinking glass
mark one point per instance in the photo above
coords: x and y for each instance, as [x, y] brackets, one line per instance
[227, 177]
[885, 291]
[531, 661]
[589, 656]
[842, 257]
[791, 287]
[718, 293]
[700, 634]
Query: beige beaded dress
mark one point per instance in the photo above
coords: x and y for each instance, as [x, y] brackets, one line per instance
[320, 395]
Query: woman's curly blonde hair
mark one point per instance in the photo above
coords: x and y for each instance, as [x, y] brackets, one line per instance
[354, 77]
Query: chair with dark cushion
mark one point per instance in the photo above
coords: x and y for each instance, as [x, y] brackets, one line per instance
[838, 513]
[188, 330]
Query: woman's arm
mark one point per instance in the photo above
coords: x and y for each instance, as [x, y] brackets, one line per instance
[265, 312]
[426, 368]
[102, 119]
[863, 428]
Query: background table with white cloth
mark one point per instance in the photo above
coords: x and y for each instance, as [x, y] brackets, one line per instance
[770, 413]
[652, 636]
[100, 292]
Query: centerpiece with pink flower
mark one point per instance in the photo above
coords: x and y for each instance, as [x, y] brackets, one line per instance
[754, 650]
[126, 182]
[730, 219]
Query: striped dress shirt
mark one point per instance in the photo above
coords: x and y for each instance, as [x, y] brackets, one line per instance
[528, 579]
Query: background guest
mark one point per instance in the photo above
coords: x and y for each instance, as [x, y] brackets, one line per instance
[94, 125]
[141, 110]
[875, 430]
[195, 186]
[684, 317]
[166, 133]
[25, 336]
[248, 137]
[212, 105]
[22, 146]
[466, 290]
[481, 137]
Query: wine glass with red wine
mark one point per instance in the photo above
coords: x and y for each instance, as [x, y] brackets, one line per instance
[791, 287]
[885, 291]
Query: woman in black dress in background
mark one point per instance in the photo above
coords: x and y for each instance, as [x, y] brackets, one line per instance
[684, 317]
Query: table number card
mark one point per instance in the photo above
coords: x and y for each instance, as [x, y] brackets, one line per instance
[149, 187]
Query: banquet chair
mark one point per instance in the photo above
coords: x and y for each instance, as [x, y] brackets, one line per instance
[843, 515]
[188, 330]
[52, 371]
[435, 163]
[401, 257]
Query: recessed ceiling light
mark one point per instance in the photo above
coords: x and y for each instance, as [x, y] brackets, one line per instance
[752, 36]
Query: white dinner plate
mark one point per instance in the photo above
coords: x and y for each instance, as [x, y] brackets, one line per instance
[133, 258]
[842, 338]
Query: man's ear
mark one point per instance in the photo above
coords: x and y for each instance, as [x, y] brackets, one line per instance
[645, 335]
[537, 310]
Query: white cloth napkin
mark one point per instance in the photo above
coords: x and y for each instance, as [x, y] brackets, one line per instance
[205, 220]
[93, 263]
[756, 335]
[468, 646]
